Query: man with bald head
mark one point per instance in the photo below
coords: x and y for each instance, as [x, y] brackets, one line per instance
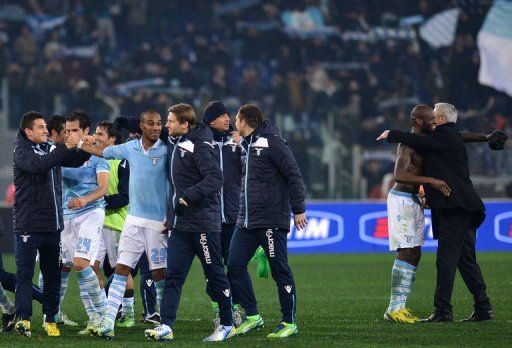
[456, 217]
[406, 221]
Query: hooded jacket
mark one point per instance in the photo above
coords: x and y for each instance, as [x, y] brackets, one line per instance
[38, 184]
[195, 176]
[272, 185]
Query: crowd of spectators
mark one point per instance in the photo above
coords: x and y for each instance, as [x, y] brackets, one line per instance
[316, 66]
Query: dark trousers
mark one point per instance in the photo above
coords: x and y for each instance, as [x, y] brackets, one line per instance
[456, 249]
[225, 239]
[8, 281]
[26, 247]
[243, 246]
[181, 249]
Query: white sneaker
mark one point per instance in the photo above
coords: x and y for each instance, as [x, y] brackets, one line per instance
[221, 333]
[62, 318]
[159, 333]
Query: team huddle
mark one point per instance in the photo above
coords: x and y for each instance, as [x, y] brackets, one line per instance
[193, 189]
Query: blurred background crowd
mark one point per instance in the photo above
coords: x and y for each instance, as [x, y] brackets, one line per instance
[331, 74]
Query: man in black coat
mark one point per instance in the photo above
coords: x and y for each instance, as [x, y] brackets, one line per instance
[272, 189]
[455, 217]
[227, 153]
[38, 217]
[195, 182]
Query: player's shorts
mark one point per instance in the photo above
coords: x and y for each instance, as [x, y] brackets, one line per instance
[108, 246]
[406, 220]
[135, 240]
[81, 237]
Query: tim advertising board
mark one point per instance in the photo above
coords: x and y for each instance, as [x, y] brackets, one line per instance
[340, 227]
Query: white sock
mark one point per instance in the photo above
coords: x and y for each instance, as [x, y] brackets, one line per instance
[128, 303]
[40, 281]
[159, 285]
[5, 303]
[89, 306]
[64, 277]
[115, 297]
[402, 279]
[88, 282]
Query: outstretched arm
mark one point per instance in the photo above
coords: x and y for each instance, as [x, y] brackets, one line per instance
[418, 142]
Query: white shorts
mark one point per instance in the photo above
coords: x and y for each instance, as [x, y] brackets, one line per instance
[406, 221]
[108, 246]
[135, 240]
[81, 237]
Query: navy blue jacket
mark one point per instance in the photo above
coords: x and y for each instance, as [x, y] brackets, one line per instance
[272, 185]
[195, 176]
[38, 184]
[228, 153]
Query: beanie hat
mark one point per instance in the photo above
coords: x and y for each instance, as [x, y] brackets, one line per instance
[213, 111]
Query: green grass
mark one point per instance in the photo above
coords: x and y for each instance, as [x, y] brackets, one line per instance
[341, 300]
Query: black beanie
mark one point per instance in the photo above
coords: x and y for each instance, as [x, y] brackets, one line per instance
[213, 111]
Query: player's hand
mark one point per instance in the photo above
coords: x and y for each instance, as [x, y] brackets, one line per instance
[496, 140]
[383, 136]
[300, 221]
[89, 139]
[180, 207]
[77, 203]
[72, 140]
[236, 137]
[165, 230]
[441, 186]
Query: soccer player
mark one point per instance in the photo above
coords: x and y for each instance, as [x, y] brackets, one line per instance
[406, 221]
[227, 152]
[194, 221]
[116, 210]
[272, 189]
[84, 214]
[38, 216]
[144, 223]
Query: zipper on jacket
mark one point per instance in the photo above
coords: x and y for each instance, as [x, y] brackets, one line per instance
[246, 200]
[57, 223]
[221, 147]
[172, 180]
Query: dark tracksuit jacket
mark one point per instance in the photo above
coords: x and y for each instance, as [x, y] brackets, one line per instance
[38, 217]
[272, 189]
[195, 176]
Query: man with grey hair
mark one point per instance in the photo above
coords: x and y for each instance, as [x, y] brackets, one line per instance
[445, 113]
[456, 217]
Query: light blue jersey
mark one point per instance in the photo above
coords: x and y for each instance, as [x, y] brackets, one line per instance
[148, 181]
[79, 182]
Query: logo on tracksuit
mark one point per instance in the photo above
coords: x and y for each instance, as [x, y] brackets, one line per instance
[25, 238]
[206, 251]
[270, 240]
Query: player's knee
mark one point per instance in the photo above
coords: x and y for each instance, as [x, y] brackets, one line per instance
[158, 274]
[409, 255]
[81, 264]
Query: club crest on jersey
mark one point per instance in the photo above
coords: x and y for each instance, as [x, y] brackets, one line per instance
[182, 153]
[154, 160]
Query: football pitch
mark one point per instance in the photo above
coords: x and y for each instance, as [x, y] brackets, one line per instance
[341, 300]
